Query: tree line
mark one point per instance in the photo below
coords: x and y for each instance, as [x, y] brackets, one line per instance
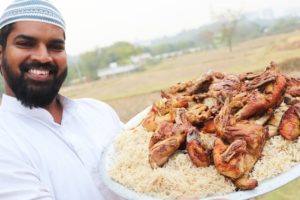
[228, 29]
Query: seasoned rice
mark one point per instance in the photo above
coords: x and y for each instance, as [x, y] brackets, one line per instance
[179, 177]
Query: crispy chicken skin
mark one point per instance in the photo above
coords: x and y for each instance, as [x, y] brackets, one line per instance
[236, 160]
[239, 144]
[162, 110]
[163, 131]
[209, 126]
[293, 86]
[229, 159]
[289, 126]
[198, 113]
[160, 152]
[263, 92]
[198, 153]
[149, 122]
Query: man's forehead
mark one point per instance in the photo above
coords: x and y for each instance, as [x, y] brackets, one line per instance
[37, 30]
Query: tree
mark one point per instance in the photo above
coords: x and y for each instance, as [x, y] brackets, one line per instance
[228, 21]
[89, 65]
[120, 53]
[90, 62]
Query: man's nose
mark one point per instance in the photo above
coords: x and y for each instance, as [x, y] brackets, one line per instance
[41, 54]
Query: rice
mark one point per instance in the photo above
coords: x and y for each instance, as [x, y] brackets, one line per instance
[278, 156]
[179, 178]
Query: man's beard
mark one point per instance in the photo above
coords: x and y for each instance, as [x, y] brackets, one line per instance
[32, 93]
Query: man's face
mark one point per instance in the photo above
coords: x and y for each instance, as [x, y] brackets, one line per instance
[34, 63]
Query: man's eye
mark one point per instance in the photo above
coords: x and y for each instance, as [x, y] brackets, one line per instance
[57, 47]
[25, 44]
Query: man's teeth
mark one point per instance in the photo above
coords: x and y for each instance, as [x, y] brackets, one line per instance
[39, 72]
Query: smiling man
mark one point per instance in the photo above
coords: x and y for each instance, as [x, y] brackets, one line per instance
[34, 63]
[50, 145]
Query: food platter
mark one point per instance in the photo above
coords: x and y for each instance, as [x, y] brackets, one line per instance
[108, 160]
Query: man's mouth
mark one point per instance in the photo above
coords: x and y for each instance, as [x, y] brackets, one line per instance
[40, 74]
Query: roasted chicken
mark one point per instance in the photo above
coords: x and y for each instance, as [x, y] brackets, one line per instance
[162, 148]
[289, 126]
[239, 144]
[240, 111]
[199, 154]
[264, 91]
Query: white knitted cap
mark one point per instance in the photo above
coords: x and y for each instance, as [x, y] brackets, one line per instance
[32, 10]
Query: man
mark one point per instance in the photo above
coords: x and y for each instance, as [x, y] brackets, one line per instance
[50, 146]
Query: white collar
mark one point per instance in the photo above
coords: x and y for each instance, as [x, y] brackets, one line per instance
[11, 104]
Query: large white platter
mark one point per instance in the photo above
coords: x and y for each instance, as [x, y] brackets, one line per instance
[266, 186]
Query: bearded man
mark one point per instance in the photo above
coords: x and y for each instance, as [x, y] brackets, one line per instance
[50, 146]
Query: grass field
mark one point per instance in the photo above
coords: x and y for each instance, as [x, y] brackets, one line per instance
[130, 94]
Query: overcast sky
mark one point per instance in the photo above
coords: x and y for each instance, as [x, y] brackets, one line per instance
[99, 23]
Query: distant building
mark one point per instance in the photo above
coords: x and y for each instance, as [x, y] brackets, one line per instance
[141, 58]
[114, 69]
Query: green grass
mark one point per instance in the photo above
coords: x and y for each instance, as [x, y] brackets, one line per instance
[287, 192]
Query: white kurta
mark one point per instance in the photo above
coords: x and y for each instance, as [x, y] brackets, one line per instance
[40, 159]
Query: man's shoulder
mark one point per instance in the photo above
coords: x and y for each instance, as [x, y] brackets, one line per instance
[92, 103]
[95, 107]
[89, 101]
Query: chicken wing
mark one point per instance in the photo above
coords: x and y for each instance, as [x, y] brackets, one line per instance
[160, 152]
[289, 126]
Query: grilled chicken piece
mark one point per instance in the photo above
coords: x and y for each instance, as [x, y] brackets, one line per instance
[293, 86]
[222, 88]
[209, 126]
[164, 106]
[177, 90]
[230, 159]
[198, 153]
[264, 92]
[195, 86]
[149, 122]
[160, 152]
[163, 110]
[163, 131]
[210, 81]
[226, 117]
[245, 140]
[234, 162]
[153, 120]
[198, 113]
[254, 136]
[274, 121]
[289, 126]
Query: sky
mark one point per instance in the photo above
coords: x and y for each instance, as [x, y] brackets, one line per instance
[100, 23]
